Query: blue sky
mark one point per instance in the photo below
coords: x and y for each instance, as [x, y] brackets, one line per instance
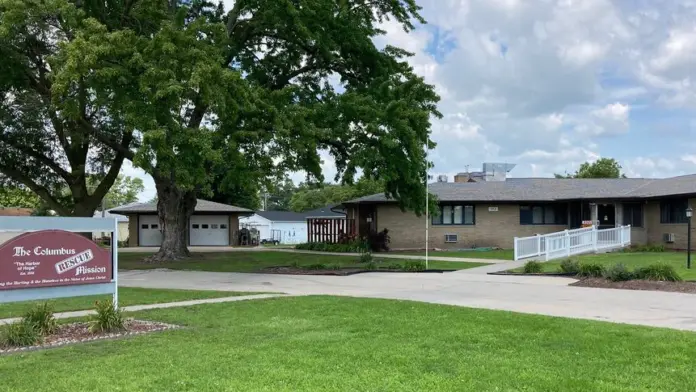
[550, 84]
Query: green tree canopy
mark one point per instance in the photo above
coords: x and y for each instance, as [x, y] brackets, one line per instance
[17, 196]
[601, 168]
[48, 123]
[247, 94]
[312, 197]
[125, 190]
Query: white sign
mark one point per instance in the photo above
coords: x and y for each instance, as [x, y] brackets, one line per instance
[492, 209]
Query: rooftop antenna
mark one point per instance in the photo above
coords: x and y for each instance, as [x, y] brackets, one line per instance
[467, 168]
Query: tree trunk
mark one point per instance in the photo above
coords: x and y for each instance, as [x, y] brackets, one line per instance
[174, 208]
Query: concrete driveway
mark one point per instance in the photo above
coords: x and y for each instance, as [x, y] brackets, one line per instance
[539, 295]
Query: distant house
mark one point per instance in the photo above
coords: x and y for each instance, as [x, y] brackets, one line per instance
[283, 227]
[212, 224]
[122, 225]
[15, 211]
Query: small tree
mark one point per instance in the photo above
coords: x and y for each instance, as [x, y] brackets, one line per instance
[601, 168]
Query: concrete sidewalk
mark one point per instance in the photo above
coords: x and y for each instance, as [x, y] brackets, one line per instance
[135, 308]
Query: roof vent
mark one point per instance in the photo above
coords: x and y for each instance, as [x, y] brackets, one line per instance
[442, 178]
[496, 171]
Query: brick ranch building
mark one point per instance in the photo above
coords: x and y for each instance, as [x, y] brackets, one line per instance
[491, 212]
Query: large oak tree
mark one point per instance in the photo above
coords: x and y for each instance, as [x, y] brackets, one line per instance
[252, 92]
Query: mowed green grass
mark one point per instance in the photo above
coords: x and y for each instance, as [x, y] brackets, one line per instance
[350, 344]
[255, 261]
[498, 254]
[127, 296]
[634, 260]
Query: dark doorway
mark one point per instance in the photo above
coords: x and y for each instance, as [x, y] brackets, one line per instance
[606, 214]
[579, 212]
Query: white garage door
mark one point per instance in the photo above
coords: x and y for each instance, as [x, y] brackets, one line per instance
[149, 233]
[210, 230]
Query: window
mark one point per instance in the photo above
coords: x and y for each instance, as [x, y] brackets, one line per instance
[544, 214]
[633, 214]
[214, 226]
[195, 226]
[455, 215]
[223, 226]
[673, 211]
[450, 238]
[204, 226]
[154, 226]
[144, 226]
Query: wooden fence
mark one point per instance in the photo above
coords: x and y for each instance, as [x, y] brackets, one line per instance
[329, 230]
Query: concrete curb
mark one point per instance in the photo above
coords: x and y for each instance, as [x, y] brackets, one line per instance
[136, 308]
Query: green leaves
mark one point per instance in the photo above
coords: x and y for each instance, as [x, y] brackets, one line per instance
[601, 168]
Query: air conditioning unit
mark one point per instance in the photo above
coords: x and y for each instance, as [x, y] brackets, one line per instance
[669, 238]
[451, 238]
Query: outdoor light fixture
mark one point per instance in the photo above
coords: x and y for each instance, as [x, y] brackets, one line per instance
[689, 214]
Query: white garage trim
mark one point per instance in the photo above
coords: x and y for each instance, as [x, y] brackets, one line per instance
[149, 233]
[209, 230]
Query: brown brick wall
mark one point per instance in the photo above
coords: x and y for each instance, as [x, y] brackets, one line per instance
[656, 230]
[132, 230]
[498, 228]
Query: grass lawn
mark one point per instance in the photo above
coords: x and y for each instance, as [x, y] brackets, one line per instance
[351, 344]
[502, 254]
[256, 260]
[635, 260]
[126, 296]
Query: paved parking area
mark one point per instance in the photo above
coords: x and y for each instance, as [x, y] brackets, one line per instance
[539, 295]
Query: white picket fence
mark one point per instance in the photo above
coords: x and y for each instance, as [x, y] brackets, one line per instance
[571, 242]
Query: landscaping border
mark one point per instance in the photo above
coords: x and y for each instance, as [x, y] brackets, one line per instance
[554, 274]
[284, 270]
[156, 327]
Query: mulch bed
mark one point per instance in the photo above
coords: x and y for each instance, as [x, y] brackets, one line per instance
[79, 333]
[676, 287]
[339, 272]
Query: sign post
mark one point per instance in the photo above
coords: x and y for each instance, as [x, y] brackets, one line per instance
[49, 259]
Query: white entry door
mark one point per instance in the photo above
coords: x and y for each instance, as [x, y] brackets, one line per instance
[209, 230]
[149, 233]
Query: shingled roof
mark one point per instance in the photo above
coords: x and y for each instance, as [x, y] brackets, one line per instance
[554, 189]
[201, 206]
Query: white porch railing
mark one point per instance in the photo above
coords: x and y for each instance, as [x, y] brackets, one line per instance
[571, 242]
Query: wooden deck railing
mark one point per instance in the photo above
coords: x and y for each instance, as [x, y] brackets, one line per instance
[330, 231]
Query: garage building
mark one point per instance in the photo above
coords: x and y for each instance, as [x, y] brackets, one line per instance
[212, 224]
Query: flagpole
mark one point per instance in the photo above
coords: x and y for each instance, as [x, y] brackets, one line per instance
[426, 211]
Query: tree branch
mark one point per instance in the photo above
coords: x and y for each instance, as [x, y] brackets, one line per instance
[109, 142]
[115, 168]
[40, 157]
[41, 191]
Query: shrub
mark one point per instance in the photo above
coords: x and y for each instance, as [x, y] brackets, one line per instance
[570, 266]
[41, 316]
[619, 273]
[371, 266]
[335, 267]
[645, 248]
[414, 266]
[533, 267]
[107, 319]
[591, 270]
[349, 247]
[22, 333]
[659, 271]
[379, 241]
[318, 266]
[366, 257]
